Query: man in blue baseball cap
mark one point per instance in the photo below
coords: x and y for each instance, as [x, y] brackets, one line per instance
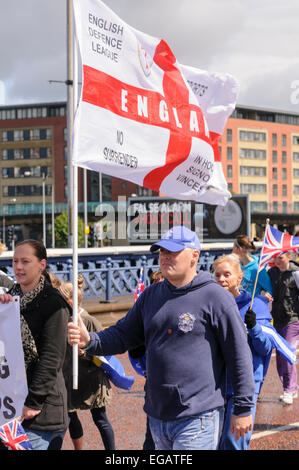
[192, 332]
[179, 252]
[178, 238]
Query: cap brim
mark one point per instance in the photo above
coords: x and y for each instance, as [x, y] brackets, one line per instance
[169, 245]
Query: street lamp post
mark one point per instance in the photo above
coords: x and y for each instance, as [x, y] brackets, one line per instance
[5, 211]
[44, 209]
[3, 228]
[53, 216]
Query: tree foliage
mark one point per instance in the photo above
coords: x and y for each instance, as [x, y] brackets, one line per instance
[61, 231]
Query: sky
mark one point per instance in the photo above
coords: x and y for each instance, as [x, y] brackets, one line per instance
[256, 41]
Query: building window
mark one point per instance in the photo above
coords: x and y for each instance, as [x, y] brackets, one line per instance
[295, 156]
[229, 135]
[7, 136]
[284, 156]
[229, 153]
[18, 154]
[251, 136]
[255, 154]
[26, 172]
[141, 191]
[26, 190]
[17, 135]
[253, 188]
[284, 190]
[274, 156]
[274, 174]
[274, 190]
[296, 173]
[34, 134]
[253, 171]
[26, 134]
[229, 171]
[284, 207]
[274, 140]
[296, 189]
[296, 206]
[258, 206]
[275, 206]
[284, 140]
[284, 173]
[26, 153]
[8, 172]
[295, 139]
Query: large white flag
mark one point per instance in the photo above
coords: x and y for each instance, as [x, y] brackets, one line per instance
[142, 116]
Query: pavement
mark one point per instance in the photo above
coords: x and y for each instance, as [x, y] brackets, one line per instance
[276, 425]
[109, 312]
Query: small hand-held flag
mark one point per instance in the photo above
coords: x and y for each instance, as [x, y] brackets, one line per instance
[140, 286]
[275, 243]
[13, 436]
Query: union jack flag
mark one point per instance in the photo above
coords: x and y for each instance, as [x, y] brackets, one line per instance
[140, 286]
[14, 437]
[276, 243]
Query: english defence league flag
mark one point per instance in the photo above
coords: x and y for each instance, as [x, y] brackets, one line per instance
[144, 117]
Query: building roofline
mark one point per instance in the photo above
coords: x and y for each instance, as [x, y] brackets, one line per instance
[34, 105]
[64, 103]
[268, 110]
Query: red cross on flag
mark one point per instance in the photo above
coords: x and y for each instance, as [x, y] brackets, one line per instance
[142, 116]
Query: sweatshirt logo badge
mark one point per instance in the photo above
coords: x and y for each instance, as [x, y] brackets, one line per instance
[186, 322]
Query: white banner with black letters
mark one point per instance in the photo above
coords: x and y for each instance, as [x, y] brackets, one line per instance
[13, 382]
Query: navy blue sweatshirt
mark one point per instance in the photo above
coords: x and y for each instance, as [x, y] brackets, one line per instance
[191, 334]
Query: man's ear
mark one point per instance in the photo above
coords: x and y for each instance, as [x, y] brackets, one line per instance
[195, 256]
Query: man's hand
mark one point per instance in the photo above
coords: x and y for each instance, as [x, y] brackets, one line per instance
[78, 334]
[240, 425]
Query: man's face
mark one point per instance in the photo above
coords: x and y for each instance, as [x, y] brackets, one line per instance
[178, 266]
[282, 261]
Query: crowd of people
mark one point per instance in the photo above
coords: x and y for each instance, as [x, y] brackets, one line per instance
[184, 318]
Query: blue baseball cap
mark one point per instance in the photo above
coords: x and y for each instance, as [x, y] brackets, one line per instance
[176, 239]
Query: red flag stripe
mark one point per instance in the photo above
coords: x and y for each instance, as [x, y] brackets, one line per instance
[105, 91]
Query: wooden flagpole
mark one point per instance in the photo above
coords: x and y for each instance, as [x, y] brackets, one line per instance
[257, 274]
